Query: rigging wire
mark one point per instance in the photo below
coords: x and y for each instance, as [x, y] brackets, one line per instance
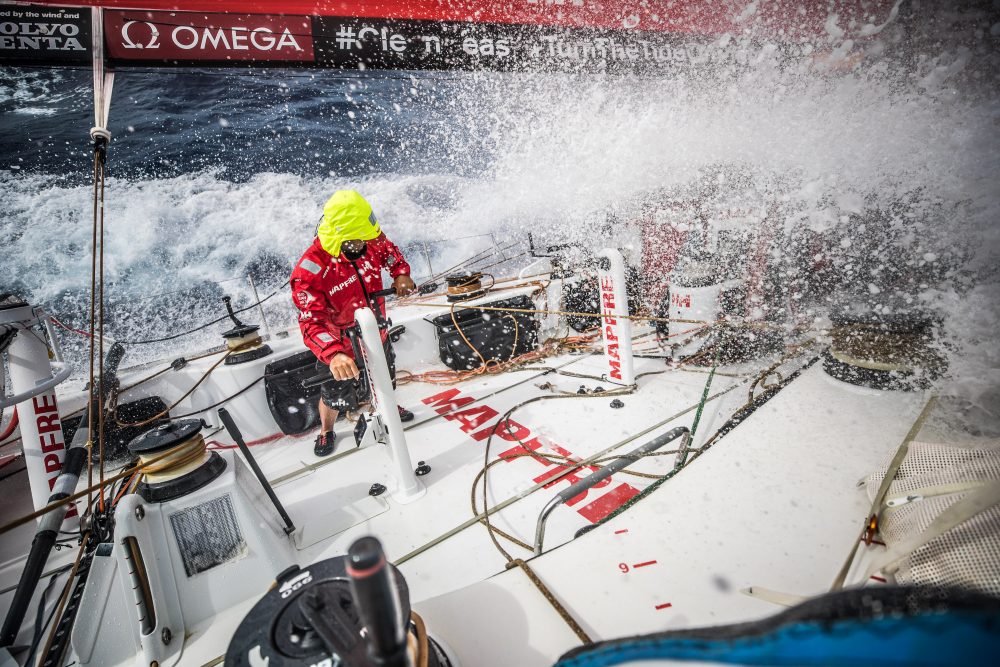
[100, 342]
[207, 324]
[92, 324]
[190, 391]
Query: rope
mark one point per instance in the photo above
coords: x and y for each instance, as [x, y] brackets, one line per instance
[100, 342]
[551, 599]
[662, 480]
[573, 313]
[704, 397]
[550, 348]
[870, 527]
[708, 443]
[65, 595]
[477, 257]
[493, 531]
[186, 394]
[175, 459]
[93, 318]
[207, 324]
[556, 459]
[422, 648]
[524, 494]
[63, 503]
[68, 328]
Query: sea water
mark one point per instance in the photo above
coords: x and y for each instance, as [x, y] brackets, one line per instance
[216, 175]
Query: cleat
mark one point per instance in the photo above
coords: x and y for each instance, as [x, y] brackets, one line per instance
[325, 443]
[405, 415]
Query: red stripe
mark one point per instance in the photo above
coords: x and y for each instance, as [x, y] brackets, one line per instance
[664, 605]
[699, 17]
[878, 579]
[648, 562]
[366, 572]
[623, 530]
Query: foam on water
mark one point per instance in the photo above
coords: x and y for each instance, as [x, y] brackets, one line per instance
[544, 153]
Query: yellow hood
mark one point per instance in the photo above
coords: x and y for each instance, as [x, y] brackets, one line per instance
[347, 216]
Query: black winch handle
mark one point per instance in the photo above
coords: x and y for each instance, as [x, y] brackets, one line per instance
[229, 311]
[383, 293]
[234, 433]
[378, 602]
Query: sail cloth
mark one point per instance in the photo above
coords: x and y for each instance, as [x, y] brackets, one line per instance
[505, 35]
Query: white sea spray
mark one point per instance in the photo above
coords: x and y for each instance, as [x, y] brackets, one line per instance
[825, 141]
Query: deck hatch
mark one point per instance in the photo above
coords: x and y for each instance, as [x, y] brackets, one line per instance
[207, 535]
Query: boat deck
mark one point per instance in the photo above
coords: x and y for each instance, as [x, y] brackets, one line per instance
[774, 504]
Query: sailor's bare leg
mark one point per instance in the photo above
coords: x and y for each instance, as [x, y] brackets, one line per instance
[327, 417]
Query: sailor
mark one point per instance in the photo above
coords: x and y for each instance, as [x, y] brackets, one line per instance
[334, 278]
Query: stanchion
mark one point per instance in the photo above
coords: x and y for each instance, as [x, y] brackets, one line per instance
[384, 401]
[616, 331]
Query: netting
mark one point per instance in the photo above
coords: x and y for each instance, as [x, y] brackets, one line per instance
[932, 478]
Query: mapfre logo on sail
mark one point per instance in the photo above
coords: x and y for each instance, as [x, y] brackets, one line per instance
[171, 36]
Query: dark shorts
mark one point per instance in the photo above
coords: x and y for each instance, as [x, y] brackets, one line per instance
[348, 394]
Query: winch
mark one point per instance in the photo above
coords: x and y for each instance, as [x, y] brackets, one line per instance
[350, 611]
[468, 285]
[883, 346]
[182, 463]
[243, 340]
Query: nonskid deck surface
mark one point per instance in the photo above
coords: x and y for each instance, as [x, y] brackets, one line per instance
[726, 508]
[775, 505]
[581, 428]
[450, 432]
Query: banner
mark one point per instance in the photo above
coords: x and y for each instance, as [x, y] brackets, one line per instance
[352, 43]
[504, 35]
[180, 37]
[36, 35]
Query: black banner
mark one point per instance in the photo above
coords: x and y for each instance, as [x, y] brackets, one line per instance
[44, 35]
[352, 43]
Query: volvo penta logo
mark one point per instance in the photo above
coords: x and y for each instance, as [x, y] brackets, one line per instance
[154, 36]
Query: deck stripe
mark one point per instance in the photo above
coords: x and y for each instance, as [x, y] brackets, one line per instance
[648, 562]
[664, 605]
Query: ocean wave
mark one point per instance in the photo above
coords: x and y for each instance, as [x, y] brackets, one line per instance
[203, 193]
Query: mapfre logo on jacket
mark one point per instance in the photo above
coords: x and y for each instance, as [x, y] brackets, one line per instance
[337, 288]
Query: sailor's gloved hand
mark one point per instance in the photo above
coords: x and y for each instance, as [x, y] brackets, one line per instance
[404, 285]
[343, 367]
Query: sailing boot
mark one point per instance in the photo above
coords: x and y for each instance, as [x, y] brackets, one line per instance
[325, 443]
[405, 415]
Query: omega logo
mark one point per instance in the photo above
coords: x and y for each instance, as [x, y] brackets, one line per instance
[154, 36]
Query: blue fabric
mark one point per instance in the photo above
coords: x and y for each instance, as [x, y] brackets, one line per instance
[951, 638]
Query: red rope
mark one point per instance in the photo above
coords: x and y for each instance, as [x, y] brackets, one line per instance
[215, 444]
[67, 328]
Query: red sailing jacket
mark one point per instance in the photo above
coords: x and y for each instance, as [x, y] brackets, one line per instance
[327, 290]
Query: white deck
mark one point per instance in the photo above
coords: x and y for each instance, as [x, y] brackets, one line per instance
[758, 509]
[773, 504]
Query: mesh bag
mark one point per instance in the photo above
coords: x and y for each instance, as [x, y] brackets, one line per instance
[928, 482]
